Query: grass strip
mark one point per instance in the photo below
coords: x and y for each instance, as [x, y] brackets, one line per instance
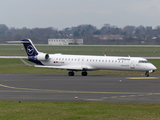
[47, 110]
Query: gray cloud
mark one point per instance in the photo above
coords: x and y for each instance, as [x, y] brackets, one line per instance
[68, 13]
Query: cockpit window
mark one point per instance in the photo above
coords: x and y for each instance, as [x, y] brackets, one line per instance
[143, 61]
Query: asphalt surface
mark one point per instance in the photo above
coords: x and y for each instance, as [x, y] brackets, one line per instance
[97, 88]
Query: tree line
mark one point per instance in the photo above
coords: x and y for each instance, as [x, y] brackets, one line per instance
[107, 35]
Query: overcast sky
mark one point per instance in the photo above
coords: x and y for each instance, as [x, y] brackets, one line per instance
[68, 13]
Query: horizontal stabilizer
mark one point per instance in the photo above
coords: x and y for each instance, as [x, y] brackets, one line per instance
[26, 63]
[20, 42]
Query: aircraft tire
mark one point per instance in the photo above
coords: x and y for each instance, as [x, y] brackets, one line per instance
[147, 74]
[70, 73]
[84, 73]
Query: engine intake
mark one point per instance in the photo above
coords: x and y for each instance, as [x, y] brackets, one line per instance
[42, 56]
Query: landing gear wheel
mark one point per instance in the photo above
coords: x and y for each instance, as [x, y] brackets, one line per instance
[84, 73]
[147, 74]
[70, 73]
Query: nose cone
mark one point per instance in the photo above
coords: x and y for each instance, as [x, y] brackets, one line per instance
[152, 67]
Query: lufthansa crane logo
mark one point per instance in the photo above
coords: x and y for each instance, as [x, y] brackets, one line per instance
[30, 49]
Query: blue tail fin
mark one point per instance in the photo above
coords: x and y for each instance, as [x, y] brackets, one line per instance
[31, 51]
[29, 47]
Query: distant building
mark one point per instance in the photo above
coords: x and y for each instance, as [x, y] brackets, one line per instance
[65, 41]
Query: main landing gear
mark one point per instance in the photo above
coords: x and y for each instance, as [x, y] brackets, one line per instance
[71, 73]
[84, 73]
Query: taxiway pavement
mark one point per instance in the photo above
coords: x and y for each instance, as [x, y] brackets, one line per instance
[100, 88]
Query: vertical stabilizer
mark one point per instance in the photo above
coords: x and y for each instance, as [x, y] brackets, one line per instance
[29, 47]
[31, 51]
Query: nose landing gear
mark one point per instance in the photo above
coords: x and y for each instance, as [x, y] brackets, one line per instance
[147, 74]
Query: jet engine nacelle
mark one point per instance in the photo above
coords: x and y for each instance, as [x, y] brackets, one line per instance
[42, 56]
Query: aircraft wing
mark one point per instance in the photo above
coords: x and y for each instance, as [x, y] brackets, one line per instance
[67, 67]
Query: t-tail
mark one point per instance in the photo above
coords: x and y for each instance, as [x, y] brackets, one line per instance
[29, 47]
[33, 54]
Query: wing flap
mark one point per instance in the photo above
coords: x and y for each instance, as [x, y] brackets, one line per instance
[67, 67]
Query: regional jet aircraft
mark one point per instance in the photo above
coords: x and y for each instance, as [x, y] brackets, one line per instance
[85, 63]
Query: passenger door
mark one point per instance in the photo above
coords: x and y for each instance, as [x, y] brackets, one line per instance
[133, 65]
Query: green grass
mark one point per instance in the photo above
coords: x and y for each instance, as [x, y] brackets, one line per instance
[85, 50]
[47, 110]
[16, 66]
[32, 110]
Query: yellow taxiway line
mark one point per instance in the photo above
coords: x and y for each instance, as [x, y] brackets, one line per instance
[146, 78]
[65, 91]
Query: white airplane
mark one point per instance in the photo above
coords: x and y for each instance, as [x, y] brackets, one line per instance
[85, 63]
